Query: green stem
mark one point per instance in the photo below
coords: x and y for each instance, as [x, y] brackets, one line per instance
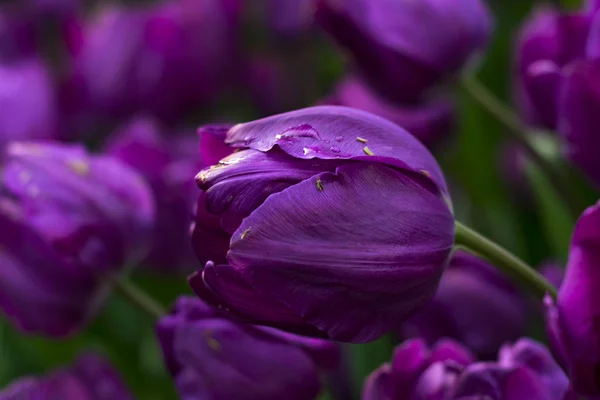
[139, 298]
[503, 260]
[520, 134]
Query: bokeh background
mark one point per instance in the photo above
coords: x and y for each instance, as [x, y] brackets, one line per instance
[533, 225]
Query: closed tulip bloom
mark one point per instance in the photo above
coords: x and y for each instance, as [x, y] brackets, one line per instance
[471, 290]
[403, 48]
[69, 220]
[524, 370]
[574, 321]
[169, 166]
[430, 121]
[548, 44]
[579, 102]
[90, 378]
[162, 59]
[212, 357]
[27, 102]
[340, 224]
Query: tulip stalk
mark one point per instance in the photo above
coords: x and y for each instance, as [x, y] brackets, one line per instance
[503, 260]
[139, 298]
[520, 134]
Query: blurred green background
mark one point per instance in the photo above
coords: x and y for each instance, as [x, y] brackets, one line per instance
[481, 198]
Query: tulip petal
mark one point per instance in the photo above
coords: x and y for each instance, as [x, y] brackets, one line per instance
[334, 132]
[377, 258]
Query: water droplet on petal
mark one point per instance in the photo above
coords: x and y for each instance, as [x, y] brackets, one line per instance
[335, 149]
[339, 138]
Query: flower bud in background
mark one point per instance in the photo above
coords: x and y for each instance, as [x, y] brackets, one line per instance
[271, 88]
[579, 116]
[290, 18]
[548, 43]
[312, 248]
[574, 321]
[211, 357]
[71, 221]
[28, 108]
[416, 372]
[90, 378]
[169, 165]
[430, 122]
[470, 291]
[524, 370]
[163, 59]
[403, 48]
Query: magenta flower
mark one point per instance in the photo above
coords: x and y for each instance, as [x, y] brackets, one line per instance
[403, 48]
[211, 357]
[574, 322]
[311, 247]
[471, 291]
[69, 221]
[90, 378]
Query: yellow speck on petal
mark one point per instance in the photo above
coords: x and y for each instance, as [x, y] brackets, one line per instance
[425, 172]
[320, 184]
[245, 233]
[79, 166]
[211, 341]
[368, 151]
[362, 140]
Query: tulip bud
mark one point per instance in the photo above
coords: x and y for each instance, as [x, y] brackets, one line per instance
[27, 102]
[339, 223]
[69, 220]
[430, 122]
[90, 378]
[471, 290]
[162, 59]
[573, 323]
[211, 357]
[169, 166]
[403, 48]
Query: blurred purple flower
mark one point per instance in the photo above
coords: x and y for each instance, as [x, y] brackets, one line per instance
[90, 378]
[164, 59]
[271, 88]
[211, 357]
[169, 164]
[403, 48]
[574, 322]
[579, 117]
[311, 248]
[28, 108]
[471, 291]
[430, 122]
[17, 34]
[68, 221]
[290, 18]
[525, 370]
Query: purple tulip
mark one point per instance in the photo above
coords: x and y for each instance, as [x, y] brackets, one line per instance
[311, 248]
[162, 59]
[27, 102]
[403, 48]
[68, 221]
[471, 291]
[548, 43]
[430, 122]
[169, 166]
[525, 370]
[579, 102]
[574, 322]
[211, 357]
[90, 378]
